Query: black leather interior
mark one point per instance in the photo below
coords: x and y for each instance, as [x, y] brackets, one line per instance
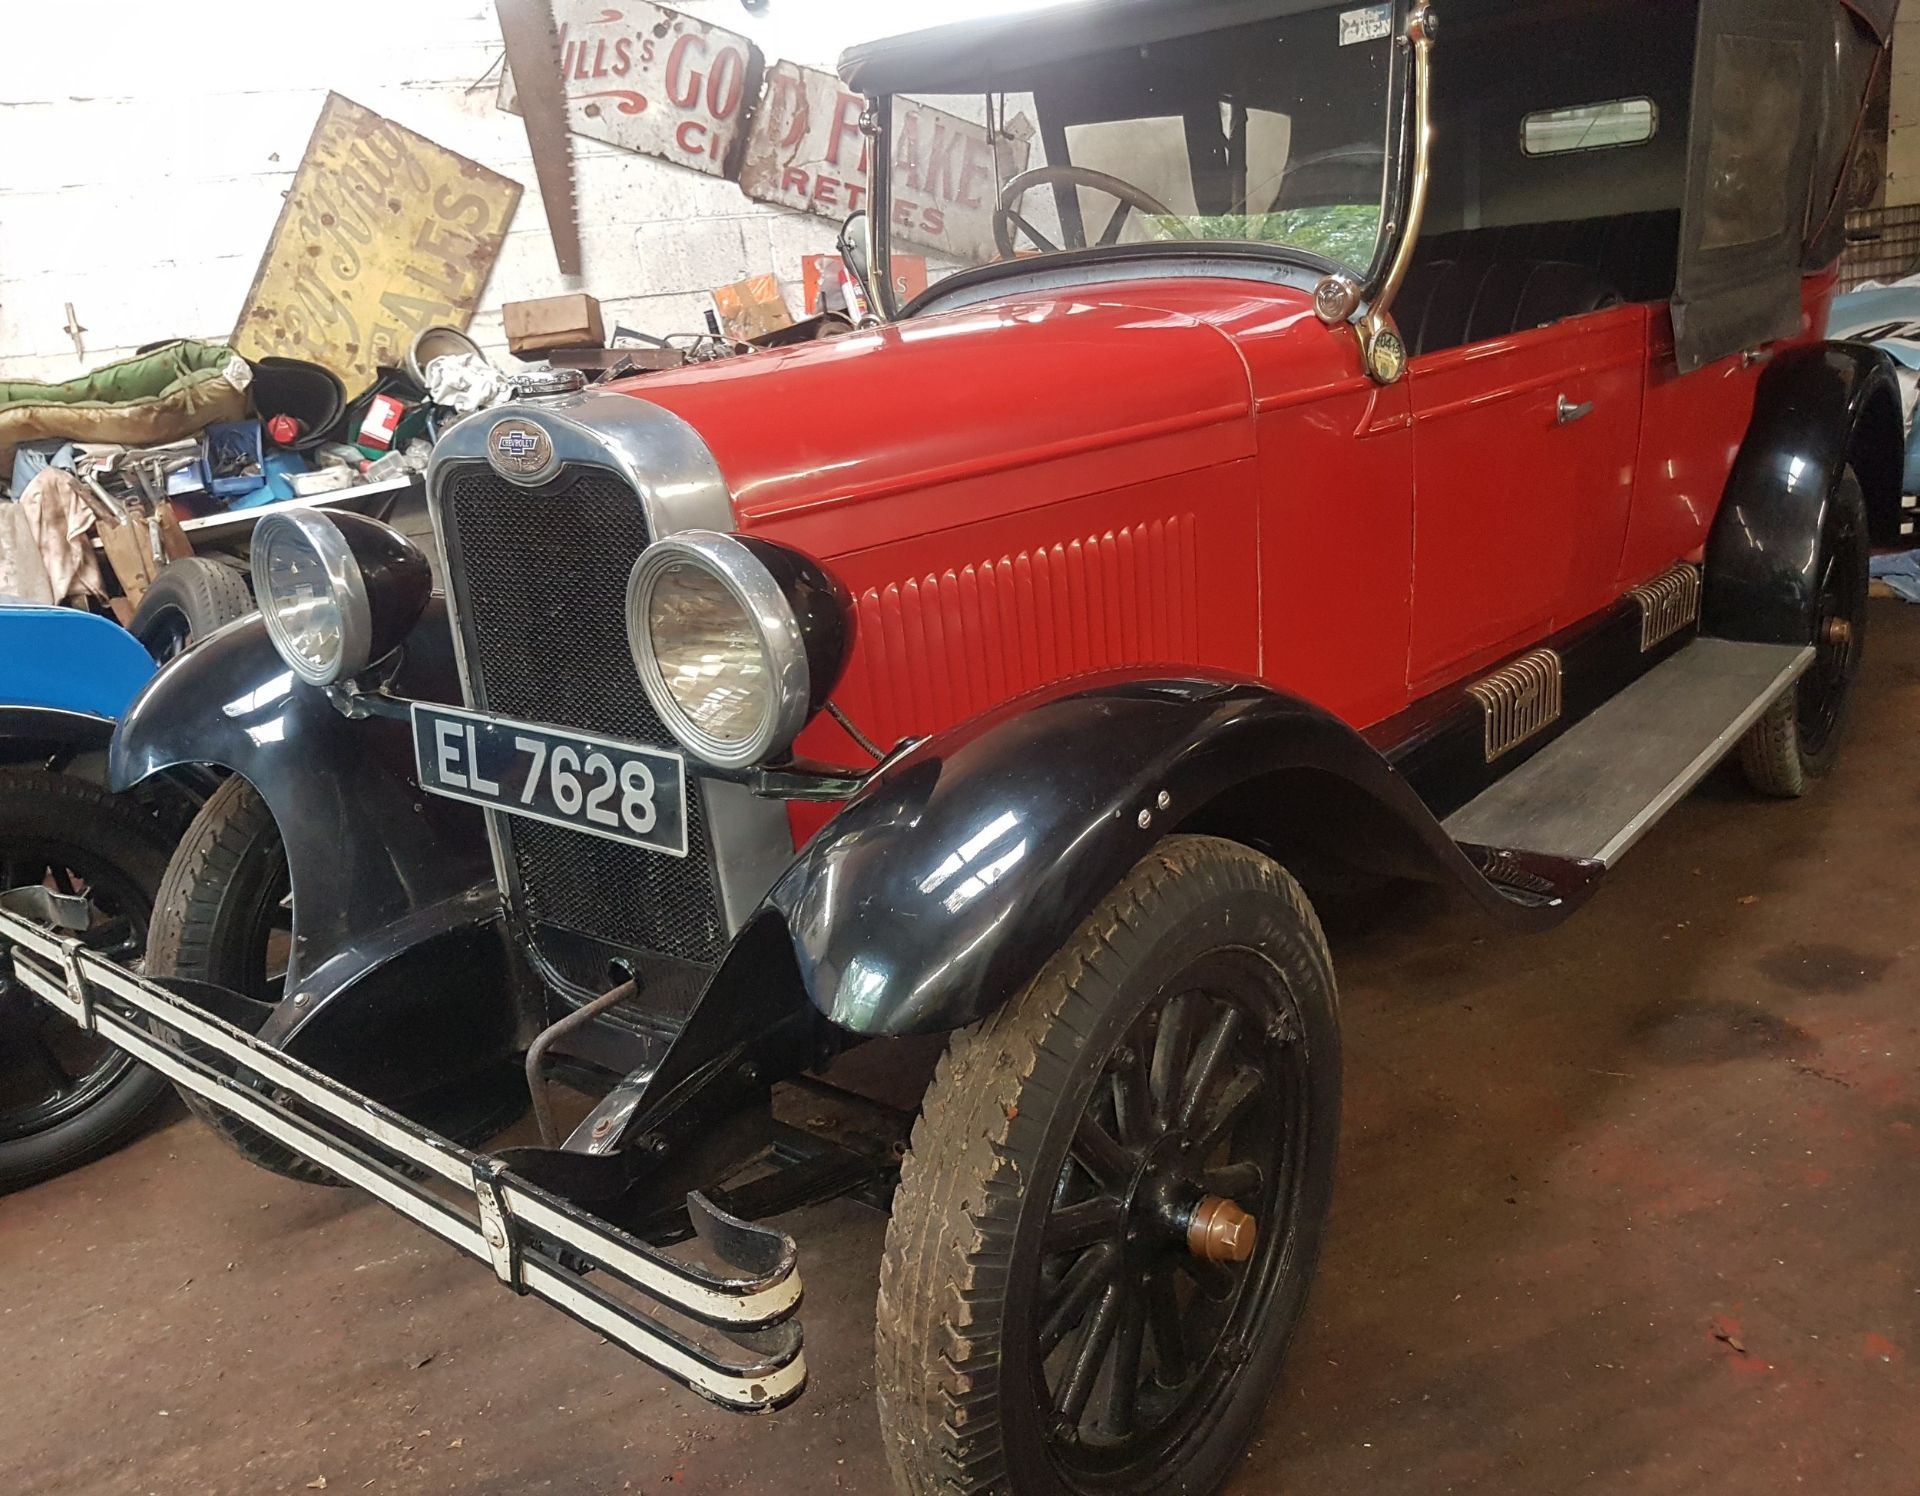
[1636, 252]
[1447, 303]
[1473, 284]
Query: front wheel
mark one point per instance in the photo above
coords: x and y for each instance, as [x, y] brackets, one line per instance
[222, 917]
[1108, 1222]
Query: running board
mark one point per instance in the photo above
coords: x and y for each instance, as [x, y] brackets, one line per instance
[1597, 789]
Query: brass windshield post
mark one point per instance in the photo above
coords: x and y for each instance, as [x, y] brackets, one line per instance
[1381, 347]
[876, 124]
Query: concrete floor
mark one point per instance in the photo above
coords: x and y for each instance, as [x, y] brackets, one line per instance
[1630, 1208]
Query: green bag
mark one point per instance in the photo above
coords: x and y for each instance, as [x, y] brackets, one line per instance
[157, 396]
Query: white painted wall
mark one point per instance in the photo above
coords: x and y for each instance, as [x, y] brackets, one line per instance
[145, 146]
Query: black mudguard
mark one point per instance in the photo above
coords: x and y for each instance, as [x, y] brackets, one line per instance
[385, 879]
[941, 891]
[1819, 408]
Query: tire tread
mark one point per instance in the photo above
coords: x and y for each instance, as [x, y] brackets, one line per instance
[192, 922]
[949, 1246]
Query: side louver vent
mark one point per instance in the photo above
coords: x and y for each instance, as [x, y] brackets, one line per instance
[1520, 700]
[1669, 603]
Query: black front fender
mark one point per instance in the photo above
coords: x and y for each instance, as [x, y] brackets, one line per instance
[1818, 409]
[941, 891]
[367, 852]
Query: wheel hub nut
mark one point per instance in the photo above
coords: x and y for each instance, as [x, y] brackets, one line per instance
[1839, 632]
[1220, 1231]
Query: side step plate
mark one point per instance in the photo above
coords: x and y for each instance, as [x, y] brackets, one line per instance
[1597, 790]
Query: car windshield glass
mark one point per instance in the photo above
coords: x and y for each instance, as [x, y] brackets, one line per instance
[1272, 134]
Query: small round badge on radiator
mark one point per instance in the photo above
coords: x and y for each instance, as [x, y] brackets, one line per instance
[519, 449]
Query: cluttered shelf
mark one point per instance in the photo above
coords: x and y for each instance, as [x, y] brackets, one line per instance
[124, 471]
[235, 521]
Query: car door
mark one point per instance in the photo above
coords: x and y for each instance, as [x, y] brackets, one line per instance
[1523, 475]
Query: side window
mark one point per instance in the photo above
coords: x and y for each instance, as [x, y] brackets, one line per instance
[1757, 118]
[1590, 127]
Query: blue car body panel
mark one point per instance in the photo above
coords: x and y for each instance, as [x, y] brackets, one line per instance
[64, 660]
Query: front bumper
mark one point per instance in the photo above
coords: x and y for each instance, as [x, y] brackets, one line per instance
[740, 1345]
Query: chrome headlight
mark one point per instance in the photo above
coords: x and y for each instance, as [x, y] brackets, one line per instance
[737, 642]
[337, 590]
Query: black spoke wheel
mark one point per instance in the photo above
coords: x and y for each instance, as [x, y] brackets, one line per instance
[67, 1095]
[1798, 740]
[1839, 633]
[1108, 1222]
[54, 1070]
[1144, 1305]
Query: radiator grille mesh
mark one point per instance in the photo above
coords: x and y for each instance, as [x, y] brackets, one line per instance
[542, 581]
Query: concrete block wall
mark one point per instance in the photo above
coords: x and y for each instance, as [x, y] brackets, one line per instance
[145, 147]
[1903, 140]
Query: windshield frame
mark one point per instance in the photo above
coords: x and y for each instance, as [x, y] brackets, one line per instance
[1261, 259]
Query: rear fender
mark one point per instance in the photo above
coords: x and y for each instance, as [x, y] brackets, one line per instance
[378, 869]
[1819, 408]
[942, 889]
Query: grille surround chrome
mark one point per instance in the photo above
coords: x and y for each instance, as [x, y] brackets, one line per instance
[678, 486]
[547, 644]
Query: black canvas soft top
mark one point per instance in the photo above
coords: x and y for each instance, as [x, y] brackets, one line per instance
[963, 56]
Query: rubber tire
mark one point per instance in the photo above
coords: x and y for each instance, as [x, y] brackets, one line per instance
[1771, 756]
[195, 594]
[62, 809]
[945, 1272]
[230, 862]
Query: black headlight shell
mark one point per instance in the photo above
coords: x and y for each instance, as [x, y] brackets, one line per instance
[756, 638]
[338, 591]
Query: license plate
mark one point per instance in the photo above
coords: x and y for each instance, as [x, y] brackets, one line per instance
[622, 791]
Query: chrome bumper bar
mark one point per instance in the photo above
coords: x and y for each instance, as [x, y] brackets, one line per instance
[743, 1347]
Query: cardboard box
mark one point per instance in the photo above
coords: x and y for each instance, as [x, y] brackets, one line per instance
[751, 308]
[571, 321]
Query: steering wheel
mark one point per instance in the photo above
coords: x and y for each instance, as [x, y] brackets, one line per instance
[1007, 220]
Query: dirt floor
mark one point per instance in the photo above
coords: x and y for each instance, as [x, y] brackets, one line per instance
[1628, 1208]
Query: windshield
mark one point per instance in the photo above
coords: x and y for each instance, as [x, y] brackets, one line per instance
[1270, 134]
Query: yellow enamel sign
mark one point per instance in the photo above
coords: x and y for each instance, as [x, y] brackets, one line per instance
[383, 233]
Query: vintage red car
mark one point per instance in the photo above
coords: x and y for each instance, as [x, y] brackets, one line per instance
[1391, 440]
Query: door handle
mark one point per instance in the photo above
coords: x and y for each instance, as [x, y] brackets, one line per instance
[1569, 412]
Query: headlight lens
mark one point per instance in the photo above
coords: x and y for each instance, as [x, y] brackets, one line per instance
[718, 648]
[312, 594]
[711, 658]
